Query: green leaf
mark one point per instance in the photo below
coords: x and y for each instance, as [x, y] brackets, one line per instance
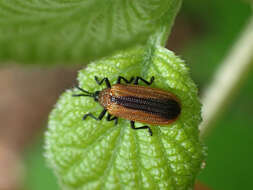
[90, 154]
[75, 31]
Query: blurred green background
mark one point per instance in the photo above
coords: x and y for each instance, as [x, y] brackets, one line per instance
[208, 29]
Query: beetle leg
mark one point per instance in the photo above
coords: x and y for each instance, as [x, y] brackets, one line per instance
[100, 117]
[143, 127]
[136, 81]
[91, 115]
[126, 81]
[110, 118]
[107, 82]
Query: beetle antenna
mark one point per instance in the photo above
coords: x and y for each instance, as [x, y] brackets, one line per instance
[86, 93]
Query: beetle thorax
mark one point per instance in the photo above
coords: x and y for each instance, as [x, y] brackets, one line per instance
[104, 97]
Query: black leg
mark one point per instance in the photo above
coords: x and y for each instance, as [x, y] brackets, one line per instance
[143, 127]
[101, 115]
[110, 118]
[136, 81]
[124, 79]
[107, 82]
[91, 115]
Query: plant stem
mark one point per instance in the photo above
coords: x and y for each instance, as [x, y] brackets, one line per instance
[228, 79]
[160, 37]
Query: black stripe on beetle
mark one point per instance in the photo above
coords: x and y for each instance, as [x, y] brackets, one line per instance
[166, 108]
[135, 103]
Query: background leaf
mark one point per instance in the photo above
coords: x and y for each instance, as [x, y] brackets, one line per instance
[94, 154]
[76, 30]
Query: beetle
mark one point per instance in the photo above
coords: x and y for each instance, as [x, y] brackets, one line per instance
[134, 102]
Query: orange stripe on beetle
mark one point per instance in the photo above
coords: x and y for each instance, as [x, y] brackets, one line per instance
[135, 103]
